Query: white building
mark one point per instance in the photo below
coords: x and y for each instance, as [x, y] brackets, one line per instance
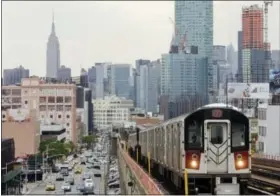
[269, 129]
[111, 110]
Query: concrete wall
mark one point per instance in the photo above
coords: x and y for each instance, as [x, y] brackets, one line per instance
[126, 175]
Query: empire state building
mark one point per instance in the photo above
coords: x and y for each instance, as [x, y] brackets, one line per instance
[53, 54]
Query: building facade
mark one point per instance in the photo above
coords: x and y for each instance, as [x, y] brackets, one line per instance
[252, 27]
[53, 54]
[54, 103]
[111, 110]
[14, 76]
[254, 65]
[64, 74]
[23, 126]
[194, 25]
[148, 86]
[269, 126]
[120, 80]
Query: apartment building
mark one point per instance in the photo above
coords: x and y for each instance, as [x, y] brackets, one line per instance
[23, 126]
[53, 103]
[269, 126]
[111, 110]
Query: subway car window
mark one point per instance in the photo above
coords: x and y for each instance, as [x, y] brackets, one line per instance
[217, 134]
[195, 135]
[238, 135]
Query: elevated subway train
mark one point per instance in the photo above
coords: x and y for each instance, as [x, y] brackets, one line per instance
[212, 143]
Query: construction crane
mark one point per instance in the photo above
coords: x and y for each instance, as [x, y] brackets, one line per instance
[182, 44]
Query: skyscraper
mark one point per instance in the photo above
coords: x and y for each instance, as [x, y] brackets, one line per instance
[53, 53]
[187, 71]
[194, 25]
[120, 75]
[13, 76]
[64, 73]
[254, 68]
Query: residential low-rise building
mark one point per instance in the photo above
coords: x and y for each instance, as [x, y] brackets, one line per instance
[111, 110]
[54, 103]
[269, 126]
[24, 128]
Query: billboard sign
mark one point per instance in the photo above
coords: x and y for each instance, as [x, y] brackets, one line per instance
[274, 81]
[248, 90]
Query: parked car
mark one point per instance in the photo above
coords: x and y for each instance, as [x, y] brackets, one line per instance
[114, 184]
[116, 191]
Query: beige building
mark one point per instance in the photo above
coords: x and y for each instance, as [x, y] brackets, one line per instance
[54, 103]
[111, 110]
[22, 126]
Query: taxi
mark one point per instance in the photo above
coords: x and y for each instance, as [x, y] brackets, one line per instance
[50, 186]
[78, 170]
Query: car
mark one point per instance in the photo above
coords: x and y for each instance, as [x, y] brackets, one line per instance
[96, 166]
[97, 174]
[116, 191]
[89, 183]
[113, 180]
[90, 166]
[59, 177]
[80, 187]
[86, 176]
[50, 186]
[66, 186]
[59, 192]
[70, 180]
[78, 170]
[115, 184]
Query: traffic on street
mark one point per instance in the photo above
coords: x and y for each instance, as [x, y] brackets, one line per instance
[83, 174]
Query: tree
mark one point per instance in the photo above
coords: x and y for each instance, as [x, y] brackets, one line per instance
[89, 140]
[55, 148]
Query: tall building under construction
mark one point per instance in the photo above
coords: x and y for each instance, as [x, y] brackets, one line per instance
[252, 66]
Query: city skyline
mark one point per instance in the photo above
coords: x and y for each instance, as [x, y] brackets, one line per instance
[85, 39]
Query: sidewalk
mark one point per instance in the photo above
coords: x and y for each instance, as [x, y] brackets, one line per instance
[30, 187]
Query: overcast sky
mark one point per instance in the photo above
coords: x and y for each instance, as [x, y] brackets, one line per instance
[118, 32]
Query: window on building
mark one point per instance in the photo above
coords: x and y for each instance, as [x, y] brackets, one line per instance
[59, 116]
[3, 116]
[51, 116]
[26, 102]
[67, 124]
[51, 100]
[261, 147]
[43, 99]
[68, 99]
[59, 99]
[262, 131]
[67, 116]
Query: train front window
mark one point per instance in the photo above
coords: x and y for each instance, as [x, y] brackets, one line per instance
[238, 135]
[194, 135]
[217, 134]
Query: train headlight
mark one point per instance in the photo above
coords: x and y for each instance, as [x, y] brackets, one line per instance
[194, 164]
[241, 160]
[240, 164]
